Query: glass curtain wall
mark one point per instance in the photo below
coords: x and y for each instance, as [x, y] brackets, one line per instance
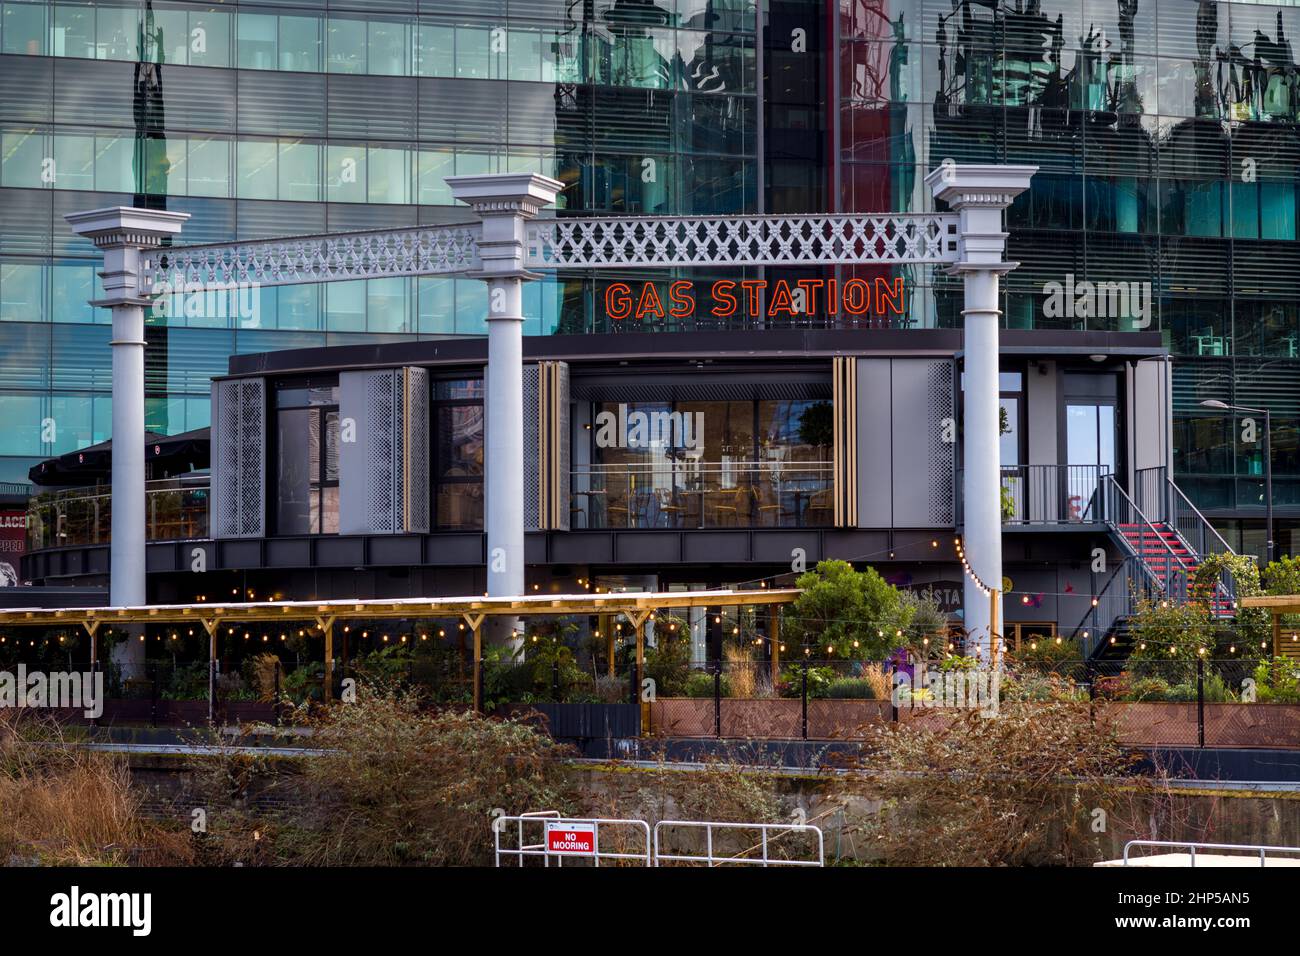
[1165, 136]
[263, 119]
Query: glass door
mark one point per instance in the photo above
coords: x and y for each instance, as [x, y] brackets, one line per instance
[1091, 438]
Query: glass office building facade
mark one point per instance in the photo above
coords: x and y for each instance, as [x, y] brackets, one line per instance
[1165, 133]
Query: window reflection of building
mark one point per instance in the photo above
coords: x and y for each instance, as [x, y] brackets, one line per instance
[307, 456]
[458, 454]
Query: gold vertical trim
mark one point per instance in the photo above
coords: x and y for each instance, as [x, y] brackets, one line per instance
[836, 405]
[851, 442]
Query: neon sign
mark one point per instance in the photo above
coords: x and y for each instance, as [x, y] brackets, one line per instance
[789, 299]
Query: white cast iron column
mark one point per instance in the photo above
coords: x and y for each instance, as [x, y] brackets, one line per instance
[979, 194]
[505, 203]
[124, 233]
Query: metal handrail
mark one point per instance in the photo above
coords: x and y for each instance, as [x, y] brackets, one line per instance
[1262, 849]
[712, 859]
[1115, 486]
[1095, 631]
[1200, 517]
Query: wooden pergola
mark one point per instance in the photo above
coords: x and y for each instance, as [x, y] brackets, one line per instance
[1278, 605]
[635, 606]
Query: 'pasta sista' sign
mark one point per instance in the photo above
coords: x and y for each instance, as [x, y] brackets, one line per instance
[759, 297]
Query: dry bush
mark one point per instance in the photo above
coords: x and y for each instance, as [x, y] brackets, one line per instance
[398, 785]
[740, 671]
[877, 675]
[1019, 788]
[62, 805]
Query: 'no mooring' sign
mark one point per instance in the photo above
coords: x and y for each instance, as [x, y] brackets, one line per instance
[568, 838]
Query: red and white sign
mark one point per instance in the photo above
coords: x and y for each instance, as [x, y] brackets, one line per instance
[567, 838]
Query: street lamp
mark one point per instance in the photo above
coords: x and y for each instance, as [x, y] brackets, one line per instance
[1268, 467]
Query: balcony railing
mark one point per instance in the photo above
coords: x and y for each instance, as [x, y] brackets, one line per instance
[695, 494]
[175, 509]
[1048, 494]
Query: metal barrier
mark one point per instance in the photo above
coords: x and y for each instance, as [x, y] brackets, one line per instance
[763, 846]
[580, 848]
[1193, 847]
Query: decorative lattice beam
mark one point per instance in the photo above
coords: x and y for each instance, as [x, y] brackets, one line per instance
[423, 250]
[632, 243]
[663, 241]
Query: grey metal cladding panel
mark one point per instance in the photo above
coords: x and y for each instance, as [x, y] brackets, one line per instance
[239, 458]
[565, 443]
[367, 469]
[417, 459]
[532, 439]
[923, 462]
[1150, 421]
[875, 443]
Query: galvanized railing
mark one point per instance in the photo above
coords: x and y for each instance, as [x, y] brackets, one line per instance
[1261, 849]
[175, 509]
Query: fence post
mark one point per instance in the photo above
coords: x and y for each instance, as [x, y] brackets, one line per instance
[1200, 701]
[1090, 671]
[803, 720]
[153, 695]
[555, 680]
[276, 704]
[717, 698]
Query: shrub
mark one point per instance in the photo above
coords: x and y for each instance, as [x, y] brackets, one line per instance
[842, 607]
[402, 786]
[62, 806]
[668, 665]
[1277, 681]
[819, 681]
[1018, 790]
[851, 688]
[700, 684]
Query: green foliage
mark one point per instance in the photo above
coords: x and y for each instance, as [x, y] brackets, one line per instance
[700, 684]
[1254, 625]
[1050, 650]
[668, 665]
[187, 682]
[1277, 681]
[820, 680]
[841, 605]
[957, 662]
[1162, 625]
[851, 688]
[530, 674]
[1007, 502]
[926, 621]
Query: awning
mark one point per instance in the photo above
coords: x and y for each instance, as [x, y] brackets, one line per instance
[164, 456]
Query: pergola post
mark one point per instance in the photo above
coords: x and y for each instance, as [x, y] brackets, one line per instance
[638, 619]
[326, 624]
[505, 203]
[979, 195]
[774, 641]
[210, 625]
[475, 622]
